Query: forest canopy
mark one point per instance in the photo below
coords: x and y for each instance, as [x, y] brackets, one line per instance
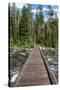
[33, 24]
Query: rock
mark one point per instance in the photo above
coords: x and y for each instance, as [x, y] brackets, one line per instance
[24, 54]
[31, 49]
[50, 59]
[14, 77]
[27, 49]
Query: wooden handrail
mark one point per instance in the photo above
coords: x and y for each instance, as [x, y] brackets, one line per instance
[51, 75]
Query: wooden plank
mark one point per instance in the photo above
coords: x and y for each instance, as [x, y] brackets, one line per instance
[34, 71]
[51, 75]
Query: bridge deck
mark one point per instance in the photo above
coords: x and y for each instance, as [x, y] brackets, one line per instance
[34, 71]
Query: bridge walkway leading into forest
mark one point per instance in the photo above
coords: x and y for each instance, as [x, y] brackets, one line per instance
[34, 71]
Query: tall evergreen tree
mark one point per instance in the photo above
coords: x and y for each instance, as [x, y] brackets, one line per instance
[39, 24]
[24, 25]
[13, 22]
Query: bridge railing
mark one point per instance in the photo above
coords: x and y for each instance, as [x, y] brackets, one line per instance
[51, 75]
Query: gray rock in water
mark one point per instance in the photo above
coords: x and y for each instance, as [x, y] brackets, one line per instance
[50, 59]
[24, 54]
[14, 77]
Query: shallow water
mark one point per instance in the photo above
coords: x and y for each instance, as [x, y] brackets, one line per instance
[51, 56]
[17, 59]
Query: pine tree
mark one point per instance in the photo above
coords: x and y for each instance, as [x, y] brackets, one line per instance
[13, 22]
[24, 26]
[39, 24]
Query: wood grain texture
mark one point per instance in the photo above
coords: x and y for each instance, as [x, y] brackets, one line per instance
[34, 71]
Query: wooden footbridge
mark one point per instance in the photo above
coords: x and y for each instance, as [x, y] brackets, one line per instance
[36, 70]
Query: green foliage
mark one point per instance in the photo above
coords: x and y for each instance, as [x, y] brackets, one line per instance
[25, 31]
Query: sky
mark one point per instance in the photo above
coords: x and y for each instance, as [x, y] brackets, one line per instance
[35, 6]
